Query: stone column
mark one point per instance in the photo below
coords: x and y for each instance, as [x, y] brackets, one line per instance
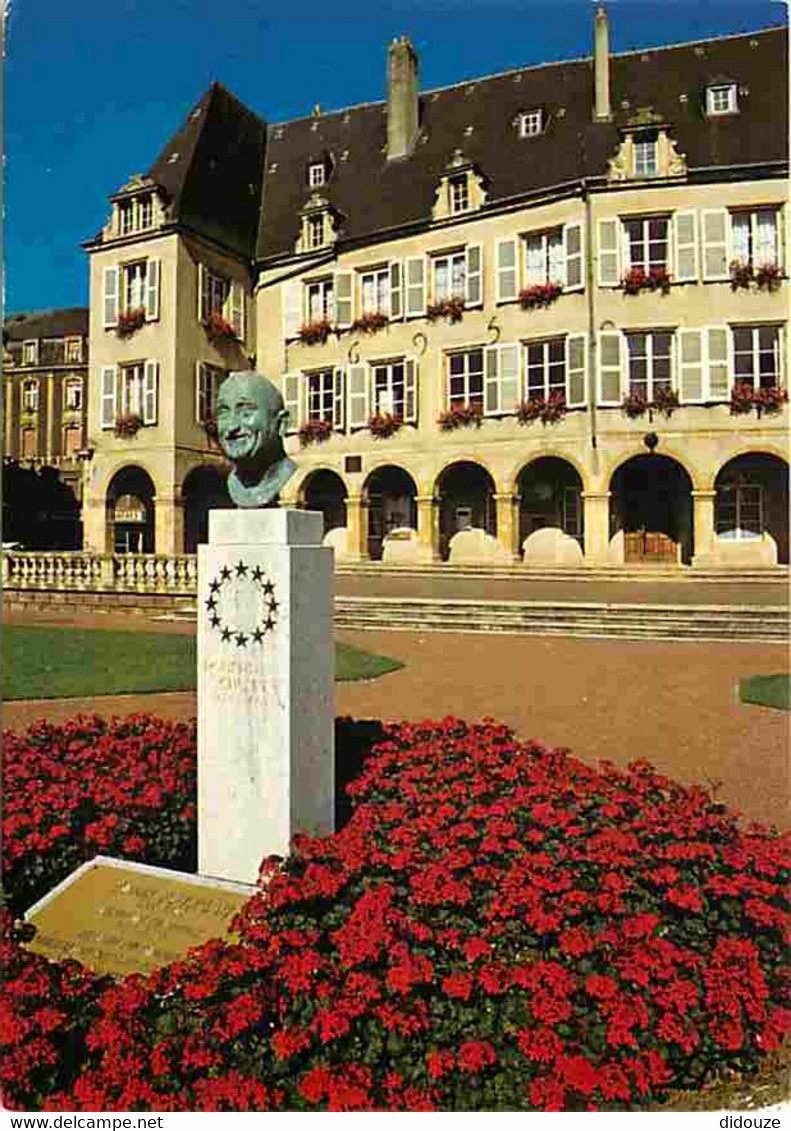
[265, 688]
[97, 533]
[169, 524]
[9, 419]
[596, 510]
[51, 447]
[703, 527]
[428, 527]
[508, 523]
[357, 525]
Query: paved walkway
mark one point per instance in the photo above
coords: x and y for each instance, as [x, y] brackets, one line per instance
[673, 703]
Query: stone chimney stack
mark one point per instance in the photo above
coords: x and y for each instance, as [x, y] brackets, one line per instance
[402, 104]
[601, 66]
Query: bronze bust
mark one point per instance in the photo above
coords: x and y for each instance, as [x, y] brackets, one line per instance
[251, 422]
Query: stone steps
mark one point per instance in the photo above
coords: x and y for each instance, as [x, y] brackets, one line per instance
[768, 575]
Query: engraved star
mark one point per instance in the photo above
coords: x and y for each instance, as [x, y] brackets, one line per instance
[268, 587]
[241, 569]
[241, 639]
[215, 586]
[226, 634]
[211, 603]
[270, 624]
[215, 621]
[225, 573]
[257, 573]
[258, 636]
[273, 605]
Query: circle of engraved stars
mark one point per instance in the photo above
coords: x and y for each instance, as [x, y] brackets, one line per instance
[230, 575]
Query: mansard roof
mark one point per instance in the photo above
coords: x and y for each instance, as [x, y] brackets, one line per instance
[68, 322]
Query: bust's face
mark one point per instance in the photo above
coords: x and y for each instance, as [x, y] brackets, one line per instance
[246, 423]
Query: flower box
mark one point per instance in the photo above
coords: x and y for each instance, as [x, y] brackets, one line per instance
[665, 401]
[384, 424]
[543, 294]
[742, 398]
[636, 280]
[129, 321]
[315, 333]
[634, 405]
[768, 277]
[548, 410]
[314, 432]
[451, 308]
[460, 416]
[128, 425]
[741, 275]
[770, 400]
[370, 323]
[218, 328]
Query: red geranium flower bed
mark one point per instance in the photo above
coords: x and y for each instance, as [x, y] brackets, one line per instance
[498, 927]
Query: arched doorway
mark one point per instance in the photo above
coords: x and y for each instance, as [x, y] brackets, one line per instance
[752, 500]
[325, 491]
[392, 503]
[651, 502]
[466, 495]
[550, 492]
[204, 489]
[130, 511]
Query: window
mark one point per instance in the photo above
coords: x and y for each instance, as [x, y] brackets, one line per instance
[73, 398]
[545, 260]
[133, 285]
[138, 392]
[754, 237]
[545, 368]
[317, 174]
[645, 158]
[450, 273]
[71, 441]
[647, 242]
[315, 225]
[132, 379]
[375, 291]
[30, 396]
[209, 379]
[756, 356]
[459, 194]
[389, 389]
[320, 395]
[320, 301]
[215, 293]
[739, 510]
[552, 256]
[30, 352]
[465, 378]
[531, 123]
[28, 443]
[648, 357]
[721, 99]
[73, 351]
[135, 215]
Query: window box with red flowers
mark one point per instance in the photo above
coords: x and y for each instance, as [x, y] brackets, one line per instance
[665, 401]
[549, 410]
[219, 329]
[384, 424]
[129, 321]
[370, 323]
[128, 425]
[741, 275]
[315, 333]
[742, 398]
[770, 400]
[314, 432]
[768, 277]
[209, 426]
[451, 308]
[543, 294]
[634, 404]
[460, 416]
[636, 280]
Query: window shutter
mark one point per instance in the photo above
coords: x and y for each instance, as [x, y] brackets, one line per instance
[338, 399]
[718, 359]
[474, 276]
[153, 273]
[576, 350]
[501, 379]
[237, 309]
[609, 253]
[109, 395]
[150, 392]
[343, 298]
[111, 285]
[359, 410]
[572, 242]
[203, 293]
[610, 362]
[690, 365]
[685, 230]
[396, 290]
[507, 287]
[292, 400]
[715, 243]
[415, 286]
[201, 393]
[292, 308]
[410, 390]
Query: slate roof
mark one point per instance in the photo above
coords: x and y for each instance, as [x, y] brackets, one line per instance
[373, 195]
[47, 324]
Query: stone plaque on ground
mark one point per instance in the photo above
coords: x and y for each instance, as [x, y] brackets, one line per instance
[118, 917]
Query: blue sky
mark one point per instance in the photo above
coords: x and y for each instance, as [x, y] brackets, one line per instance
[93, 90]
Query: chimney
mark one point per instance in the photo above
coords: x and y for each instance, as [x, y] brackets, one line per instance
[402, 106]
[601, 66]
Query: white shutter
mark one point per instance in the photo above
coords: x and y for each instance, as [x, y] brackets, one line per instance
[237, 309]
[572, 244]
[501, 379]
[690, 365]
[338, 399]
[292, 400]
[344, 314]
[685, 239]
[507, 285]
[109, 395]
[153, 273]
[610, 367]
[111, 286]
[203, 293]
[718, 343]
[410, 391]
[473, 287]
[202, 407]
[396, 290]
[609, 253]
[357, 387]
[576, 353]
[715, 243]
[150, 383]
[292, 308]
[415, 286]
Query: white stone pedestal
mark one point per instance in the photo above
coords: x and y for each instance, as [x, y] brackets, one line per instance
[265, 688]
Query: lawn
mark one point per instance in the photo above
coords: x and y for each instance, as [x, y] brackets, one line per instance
[54, 663]
[767, 691]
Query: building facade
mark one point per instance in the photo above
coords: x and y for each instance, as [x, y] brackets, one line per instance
[539, 316]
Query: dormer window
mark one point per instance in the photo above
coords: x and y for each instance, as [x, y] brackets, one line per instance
[531, 123]
[30, 352]
[316, 231]
[460, 189]
[645, 157]
[73, 351]
[135, 215]
[721, 99]
[459, 194]
[317, 174]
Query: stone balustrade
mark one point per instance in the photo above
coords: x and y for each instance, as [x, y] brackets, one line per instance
[122, 573]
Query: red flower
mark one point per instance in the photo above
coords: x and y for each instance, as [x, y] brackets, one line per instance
[474, 1056]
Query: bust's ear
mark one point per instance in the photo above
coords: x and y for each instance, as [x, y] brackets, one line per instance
[282, 422]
